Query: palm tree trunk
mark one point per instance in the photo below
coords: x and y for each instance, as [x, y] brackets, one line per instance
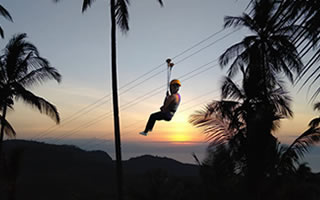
[115, 103]
[4, 112]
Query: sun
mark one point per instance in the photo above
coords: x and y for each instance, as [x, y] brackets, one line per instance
[180, 138]
[180, 130]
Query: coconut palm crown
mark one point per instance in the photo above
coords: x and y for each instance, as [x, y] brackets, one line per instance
[121, 12]
[22, 67]
[268, 51]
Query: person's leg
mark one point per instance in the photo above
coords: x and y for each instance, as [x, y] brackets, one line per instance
[152, 119]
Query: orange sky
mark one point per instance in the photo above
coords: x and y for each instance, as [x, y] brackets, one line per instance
[78, 46]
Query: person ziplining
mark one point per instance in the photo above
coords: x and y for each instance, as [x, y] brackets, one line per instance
[170, 104]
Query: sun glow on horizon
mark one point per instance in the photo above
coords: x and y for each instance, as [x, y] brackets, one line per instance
[181, 131]
[180, 137]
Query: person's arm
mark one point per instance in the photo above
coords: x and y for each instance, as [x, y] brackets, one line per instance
[165, 99]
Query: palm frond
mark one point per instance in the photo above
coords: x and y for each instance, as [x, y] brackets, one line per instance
[230, 53]
[291, 30]
[314, 122]
[3, 74]
[22, 68]
[316, 106]
[240, 50]
[315, 95]
[314, 73]
[238, 64]
[284, 57]
[43, 65]
[289, 52]
[122, 15]
[8, 129]
[287, 160]
[5, 13]
[160, 2]
[216, 130]
[39, 76]
[233, 21]
[1, 32]
[281, 100]
[315, 79]
[196, 159]
[250, 23]
[86, 4]
[231, 90]
[41, 104]
[218, 121]
[16, 40]
[16, 51]
[22, 62]
[225, 108]
[302, 144]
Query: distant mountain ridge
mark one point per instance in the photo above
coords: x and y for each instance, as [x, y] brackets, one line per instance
[153, 162]
[64, 170]
[136, 164]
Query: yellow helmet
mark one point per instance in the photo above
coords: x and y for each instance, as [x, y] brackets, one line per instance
[175, 81]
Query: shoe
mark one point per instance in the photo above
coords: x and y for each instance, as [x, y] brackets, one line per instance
[143, 133]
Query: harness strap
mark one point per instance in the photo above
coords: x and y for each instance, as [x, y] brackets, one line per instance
[168, 78]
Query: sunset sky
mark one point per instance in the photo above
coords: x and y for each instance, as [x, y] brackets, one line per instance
[78, 45]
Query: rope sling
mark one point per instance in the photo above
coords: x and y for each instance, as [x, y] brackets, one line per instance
[169, 69]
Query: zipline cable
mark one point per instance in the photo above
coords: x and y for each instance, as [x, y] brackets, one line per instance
[128, 105]
[44, 133]
[73, 118]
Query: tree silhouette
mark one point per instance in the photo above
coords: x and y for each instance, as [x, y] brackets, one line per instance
[244, 125]
[22, 67]
[247, 116]
[267, 52]
[228, 160]
[224, 169]
[119, 16]
[261, 57]
[5, 14]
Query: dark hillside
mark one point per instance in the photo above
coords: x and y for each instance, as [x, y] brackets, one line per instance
[45, 171]
[172, 166]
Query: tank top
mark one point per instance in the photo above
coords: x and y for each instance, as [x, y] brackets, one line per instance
[174, 106]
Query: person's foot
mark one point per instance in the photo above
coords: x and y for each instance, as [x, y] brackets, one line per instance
[143, 133]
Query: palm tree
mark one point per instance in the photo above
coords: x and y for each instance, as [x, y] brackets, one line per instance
[226, 122]
[21, 67]
[245, 124]
[261, 57]
[244, 120]
[224, 169]
[119, 15]
[255, 109]
[5, 14]
[268, 51]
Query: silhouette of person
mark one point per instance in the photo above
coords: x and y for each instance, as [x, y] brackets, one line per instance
[168, 109]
